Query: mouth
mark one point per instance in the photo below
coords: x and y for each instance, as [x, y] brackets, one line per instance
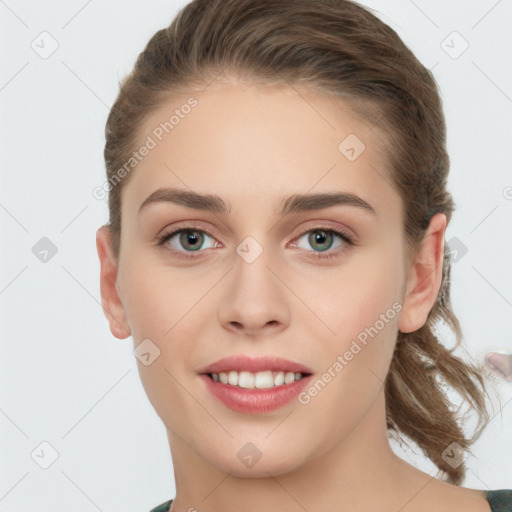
[255, 385]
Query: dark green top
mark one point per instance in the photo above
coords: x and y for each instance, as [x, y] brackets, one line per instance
[500, 501]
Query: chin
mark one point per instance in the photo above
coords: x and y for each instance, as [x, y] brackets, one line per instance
[246, 464]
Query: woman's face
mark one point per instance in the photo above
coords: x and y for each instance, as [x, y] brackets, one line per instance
[254, 282]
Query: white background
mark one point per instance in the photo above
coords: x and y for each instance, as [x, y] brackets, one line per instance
[65, 380]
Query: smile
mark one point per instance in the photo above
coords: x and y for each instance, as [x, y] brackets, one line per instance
[259, 384]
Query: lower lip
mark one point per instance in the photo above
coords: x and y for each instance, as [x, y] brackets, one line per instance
[256, 400]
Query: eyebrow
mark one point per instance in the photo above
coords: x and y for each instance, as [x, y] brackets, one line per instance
[294, 203]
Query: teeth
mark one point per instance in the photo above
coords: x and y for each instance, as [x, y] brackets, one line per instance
[289, 377]
[233, 378]
[279, 379]
[263, 380]
[245, 380]
[260, 380]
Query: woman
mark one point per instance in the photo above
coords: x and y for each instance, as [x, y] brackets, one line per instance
[277, 191]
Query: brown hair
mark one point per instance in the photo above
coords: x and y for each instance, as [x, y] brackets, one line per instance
[338, 47]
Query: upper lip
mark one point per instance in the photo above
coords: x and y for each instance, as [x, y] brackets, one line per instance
[255, 364]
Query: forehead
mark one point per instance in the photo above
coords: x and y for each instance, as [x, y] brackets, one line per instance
[263, 143]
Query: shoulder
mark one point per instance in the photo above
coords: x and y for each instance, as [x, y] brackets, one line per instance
[164, 507]
[500, 500]
[445, 497]
[475, 500]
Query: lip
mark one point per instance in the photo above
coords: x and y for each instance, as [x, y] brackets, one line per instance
[255, 401]
[255, 364]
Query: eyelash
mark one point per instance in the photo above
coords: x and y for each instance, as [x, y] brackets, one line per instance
[162, 239]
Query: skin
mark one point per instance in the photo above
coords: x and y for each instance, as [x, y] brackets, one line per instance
[254, 146]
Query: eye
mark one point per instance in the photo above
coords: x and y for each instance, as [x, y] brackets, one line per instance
[324, 239]
[189, 238]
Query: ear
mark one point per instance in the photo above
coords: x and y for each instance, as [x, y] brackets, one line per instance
[425, 276]
[110, 301]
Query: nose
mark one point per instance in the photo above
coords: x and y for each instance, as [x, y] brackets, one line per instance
[255, 301]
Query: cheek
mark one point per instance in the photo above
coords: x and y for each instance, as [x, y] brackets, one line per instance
[164, 306]
[353, 297]
[158, 299]
[362, 310]
[172, 309]
[359, 307]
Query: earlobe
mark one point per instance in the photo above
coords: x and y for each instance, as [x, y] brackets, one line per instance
[112, 306]
[425, 277]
